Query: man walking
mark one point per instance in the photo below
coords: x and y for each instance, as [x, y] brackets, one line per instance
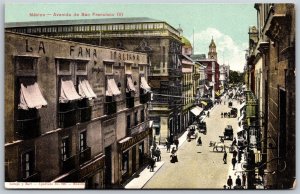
[176, 142]
[238, 181]
[233, 161]
[229, 182]
[225, 157]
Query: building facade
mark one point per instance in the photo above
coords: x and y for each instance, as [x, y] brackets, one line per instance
[67, 104]
[271, 77]
[159, 40]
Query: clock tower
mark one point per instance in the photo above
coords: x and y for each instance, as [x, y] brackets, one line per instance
[212, 53]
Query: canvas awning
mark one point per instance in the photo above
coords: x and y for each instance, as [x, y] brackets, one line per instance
[130, 85]
[85, 90]
[187, 70]
[68, 92]
[241, 118]
[196, 110]
[112, 88]
[144, 84]
[30, 95]
[204, 103]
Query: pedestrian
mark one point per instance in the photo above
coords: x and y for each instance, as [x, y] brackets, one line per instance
[239, 156]
[234, 142]
[234, 153]
[207, 114]
[221, 114]
[176, 142]
[199, 141]
[225, 157]
[238, 181]
[173, 151]
[167, 141]
[168, 147]
[152, 163]
[229, 182]
[244, 180]
[233, 162]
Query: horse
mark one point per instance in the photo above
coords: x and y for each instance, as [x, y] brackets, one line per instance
[217, 145]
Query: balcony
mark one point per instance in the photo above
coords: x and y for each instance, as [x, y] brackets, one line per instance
[67, 118]
[28, 128]
[144, 98]
[129, 102]
[110, 107]
[68, 164]
[139, 128]
[85, 155]
[35, 177]
[84, 114]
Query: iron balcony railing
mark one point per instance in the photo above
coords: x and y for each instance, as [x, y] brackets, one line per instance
[67, 118]
[110, 107]
[129, 102]
[139, 127]
[84, 114]
[68, 164]
[144, 98]
[35, 177]
[28, 128]
[85, 155]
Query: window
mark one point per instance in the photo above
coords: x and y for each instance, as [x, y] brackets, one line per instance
[128, 68]
[81, 67]
[157, 130]
[28, 163]
[26, 65]
[82, 141]
[65, 148]
[64, 67]
[141, 69]
[128, 122]
[142, 115]
[125, 163]
[108, 68]
[135, 118]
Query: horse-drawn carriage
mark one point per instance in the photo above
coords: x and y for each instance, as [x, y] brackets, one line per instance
[217, 146]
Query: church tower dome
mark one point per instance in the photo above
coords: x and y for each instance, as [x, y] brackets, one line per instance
[212, 53]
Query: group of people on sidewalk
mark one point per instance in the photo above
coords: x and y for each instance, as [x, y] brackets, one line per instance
[239, 184]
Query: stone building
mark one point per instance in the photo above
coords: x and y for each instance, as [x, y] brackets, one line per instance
[156, 38]
[271, 77]
[74, 112]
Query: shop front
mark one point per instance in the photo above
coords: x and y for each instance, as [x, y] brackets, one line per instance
[93, 173]
[133, 153]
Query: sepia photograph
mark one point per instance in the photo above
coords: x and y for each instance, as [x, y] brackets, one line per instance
[149, 96]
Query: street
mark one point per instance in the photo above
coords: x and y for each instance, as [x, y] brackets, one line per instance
[199, 167]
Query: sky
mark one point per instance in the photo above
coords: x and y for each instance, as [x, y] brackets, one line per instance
[228, 24]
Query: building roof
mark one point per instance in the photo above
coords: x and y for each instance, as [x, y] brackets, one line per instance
[212, 43]
[83, 22]
[198, 56]
[185, 41]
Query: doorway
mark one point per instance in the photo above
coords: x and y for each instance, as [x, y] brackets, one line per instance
[108, 167]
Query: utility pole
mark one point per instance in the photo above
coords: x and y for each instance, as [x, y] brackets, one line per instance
[213, 80]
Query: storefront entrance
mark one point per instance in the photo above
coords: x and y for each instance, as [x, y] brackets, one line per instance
[133, 159]
[141, 154]
[108, 169]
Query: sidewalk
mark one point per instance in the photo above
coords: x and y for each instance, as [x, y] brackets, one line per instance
[145, 175]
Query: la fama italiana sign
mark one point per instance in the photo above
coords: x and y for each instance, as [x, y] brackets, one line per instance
[135, 139]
